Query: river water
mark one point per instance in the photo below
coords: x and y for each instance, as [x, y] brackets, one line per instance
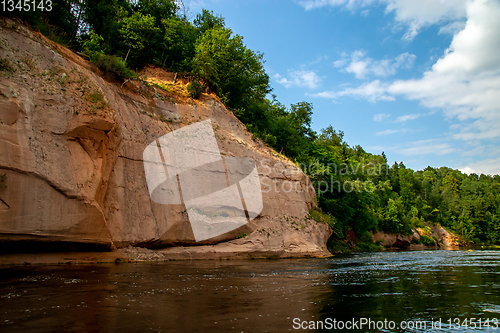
[414, 291]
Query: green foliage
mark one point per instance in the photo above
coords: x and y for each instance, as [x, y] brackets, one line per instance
[115, 66]
[59, 24]
[178, 43]
[105, 18]
[137, 31]
[426, 240]
[207, 20]
[94, 46]
[365, 242]
[319, 216]
[159, 9]
[194, 89]
[286, 130]
[95, 97]
[97, 101]
[231, 70]
[6, 66]
[243, 235]
[335, 245]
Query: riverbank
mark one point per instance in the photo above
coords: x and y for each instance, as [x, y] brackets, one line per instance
[255, 246]
[138, 254]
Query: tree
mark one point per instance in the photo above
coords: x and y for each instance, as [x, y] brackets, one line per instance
[104, 17]
[158, 9]
[136, 31]
[179, 37]
[232, 71]
[207, 20]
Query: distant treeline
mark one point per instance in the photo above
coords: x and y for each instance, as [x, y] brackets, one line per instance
[120, 35]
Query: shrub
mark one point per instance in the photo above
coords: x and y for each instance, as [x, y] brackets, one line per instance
[94, 47]
[319, 216]
[337, 246]
[269, 139]
[97, 97]
[426, 240]
[5, 66]
[365, 243]
[113, 65]
[194, 89]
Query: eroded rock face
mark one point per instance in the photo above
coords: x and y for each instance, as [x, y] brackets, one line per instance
[71, 146]
[442, 237]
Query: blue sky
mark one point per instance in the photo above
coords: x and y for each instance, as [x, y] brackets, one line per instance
[419, 80]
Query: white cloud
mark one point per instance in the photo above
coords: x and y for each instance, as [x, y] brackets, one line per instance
[372, 91]
[452, 28]
[299, 78]
[340, 63]
[350, 4]
[464, 82]
[489, 166]
[380, 116]
[361, 66]
[479, 150]
[387, 132]
[406, 117]
[426, 148]
[418, 14]
[318, 60]
[414, 14]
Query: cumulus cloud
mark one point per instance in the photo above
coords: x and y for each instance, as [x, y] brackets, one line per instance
[489, 166]
[299, 78]
[414, 14]
[362, 66]
[464, 82]
[418, 14]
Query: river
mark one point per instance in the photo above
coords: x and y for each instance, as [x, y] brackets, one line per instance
[413, 291]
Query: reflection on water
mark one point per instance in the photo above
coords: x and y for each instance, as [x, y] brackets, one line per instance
[253, 296]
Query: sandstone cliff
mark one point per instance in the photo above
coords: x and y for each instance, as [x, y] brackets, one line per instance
[71, 147]
[435, 235]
